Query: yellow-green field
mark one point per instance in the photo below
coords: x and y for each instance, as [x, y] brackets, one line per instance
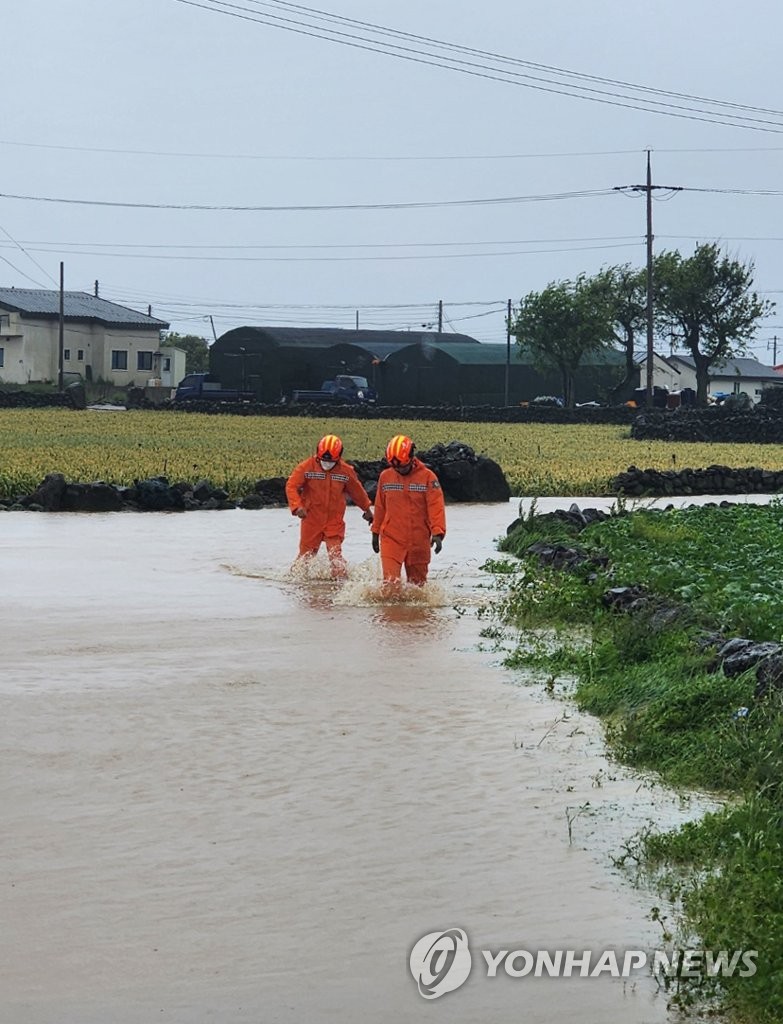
[235, 451]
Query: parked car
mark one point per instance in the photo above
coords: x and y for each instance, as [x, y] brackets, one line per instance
[205, 387]
[344, 388]
[734, 399]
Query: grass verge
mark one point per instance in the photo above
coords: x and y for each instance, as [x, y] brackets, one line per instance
[649, 675]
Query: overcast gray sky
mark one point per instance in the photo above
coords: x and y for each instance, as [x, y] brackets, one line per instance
[162, 102]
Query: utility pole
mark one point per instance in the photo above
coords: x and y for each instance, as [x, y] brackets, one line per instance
[649, 188]
[650, 354]
[357, 319]
[508, 351]
[774, 350]
[214, 333]
[96, 290]
[440, 316]
[61, 331]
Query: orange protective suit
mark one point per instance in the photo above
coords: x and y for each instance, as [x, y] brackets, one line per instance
[321, 493]
[409, 510]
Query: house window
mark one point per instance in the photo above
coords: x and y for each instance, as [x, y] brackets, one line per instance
[80, 354]
[66, 354]
[143, 360]
[2, 356]
[167, 363]
[5, 321]
[119, 359]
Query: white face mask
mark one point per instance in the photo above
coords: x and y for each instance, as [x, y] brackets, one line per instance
[325, 464]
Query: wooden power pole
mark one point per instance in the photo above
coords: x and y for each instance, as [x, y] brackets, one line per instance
[508, 353]
[648, 188]
[61, 328]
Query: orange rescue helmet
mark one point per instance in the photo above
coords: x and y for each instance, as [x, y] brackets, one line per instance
[329, 448]
[399, 451]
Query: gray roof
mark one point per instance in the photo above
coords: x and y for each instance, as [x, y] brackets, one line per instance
[742, 366]
[45, 304]
[640, 356]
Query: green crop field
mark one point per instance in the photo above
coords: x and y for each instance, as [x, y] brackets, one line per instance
[235, 451]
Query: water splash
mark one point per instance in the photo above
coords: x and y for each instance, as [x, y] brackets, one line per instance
[362, 587]
[302, 571]
[365, 588]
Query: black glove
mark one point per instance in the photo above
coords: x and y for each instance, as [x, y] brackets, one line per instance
[437, 542]
[376, 543]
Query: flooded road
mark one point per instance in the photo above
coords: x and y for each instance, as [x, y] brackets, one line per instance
[232, 796]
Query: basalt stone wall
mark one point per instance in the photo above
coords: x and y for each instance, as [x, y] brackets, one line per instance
[441, 413]
[463, 475]
[56, 494]
[712, 480]
[762, 425]
[33, 400]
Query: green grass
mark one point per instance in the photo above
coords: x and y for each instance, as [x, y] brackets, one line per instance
[666, 710]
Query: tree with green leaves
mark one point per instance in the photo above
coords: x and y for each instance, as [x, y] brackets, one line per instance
[196, 350]
[561, 324]
[708, 299]
[626, 289]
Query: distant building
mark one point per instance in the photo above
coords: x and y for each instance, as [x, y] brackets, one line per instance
[273, 361]
[666, 373]
[405, 367]
[102, 340]
[742, 375]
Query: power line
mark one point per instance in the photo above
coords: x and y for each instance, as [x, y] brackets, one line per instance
[318, 208]
[339, 259]
[737, 191]
[375, 157]
[380, 158]
[727, 238]
[524, 79]
[21, 272]
[330, 245]
[86, 248]
[317, 157]
[21, 248]
[187, 301]
[494, 201]
[322, 15]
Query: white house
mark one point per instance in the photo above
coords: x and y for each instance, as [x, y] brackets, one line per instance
[102, 340]
[665, 373]
[742, 375]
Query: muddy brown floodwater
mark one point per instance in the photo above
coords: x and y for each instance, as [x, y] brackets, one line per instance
[232, 796]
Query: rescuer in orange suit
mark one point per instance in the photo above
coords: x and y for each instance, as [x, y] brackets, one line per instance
[410, 514]
[316, 493]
